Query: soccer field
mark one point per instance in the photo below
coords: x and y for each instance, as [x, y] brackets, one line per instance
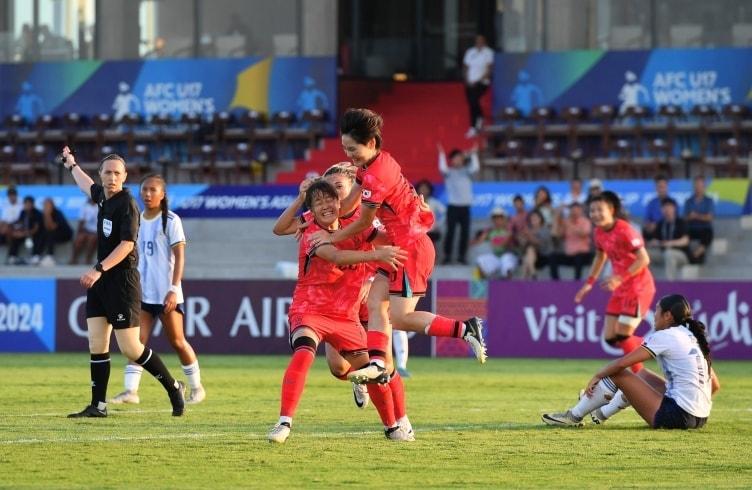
[475, 426]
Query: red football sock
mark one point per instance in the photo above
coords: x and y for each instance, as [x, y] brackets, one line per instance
[381, 396]
[442, 326]
[630, 344]
[398, 395]
[294, 380]
[378, 344]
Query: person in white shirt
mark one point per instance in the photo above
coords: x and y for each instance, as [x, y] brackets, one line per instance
[683, 401]
[477, 67]
[86, 234]
[161, 260]
[10, 213]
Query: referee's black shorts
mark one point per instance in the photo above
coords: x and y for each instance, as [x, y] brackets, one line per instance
[116, 296]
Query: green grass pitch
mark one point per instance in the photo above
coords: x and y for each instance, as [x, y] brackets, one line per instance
[476, 426]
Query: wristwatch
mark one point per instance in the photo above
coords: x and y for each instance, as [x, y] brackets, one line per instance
[99, 267]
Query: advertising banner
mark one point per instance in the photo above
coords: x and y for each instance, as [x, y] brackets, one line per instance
[540, 318]
[27, 315]
[221, 317]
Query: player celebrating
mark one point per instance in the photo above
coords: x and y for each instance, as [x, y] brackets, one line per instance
[385, 193]
[325, 306]
[680, 346]
[161, 262]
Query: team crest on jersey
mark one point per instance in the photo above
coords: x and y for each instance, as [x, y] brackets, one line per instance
[366, 193]
[107, 227]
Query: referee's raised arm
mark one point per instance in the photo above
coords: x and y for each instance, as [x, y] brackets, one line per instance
[82, 179]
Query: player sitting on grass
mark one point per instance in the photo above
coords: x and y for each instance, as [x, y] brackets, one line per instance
[681, 348]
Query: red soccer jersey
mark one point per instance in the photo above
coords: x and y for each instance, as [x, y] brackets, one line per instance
[621, 244]
[399, 210]
[325, 288]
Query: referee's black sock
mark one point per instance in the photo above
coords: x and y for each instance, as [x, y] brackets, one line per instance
[100, 375]
[152, 363]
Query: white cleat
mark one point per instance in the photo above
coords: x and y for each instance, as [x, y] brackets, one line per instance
[562, 419]
[373, 373]
[127, 396]
[398, 433]
[197, 395]
[360, 395]
[474, 337]
[405, 424]
[279, 433]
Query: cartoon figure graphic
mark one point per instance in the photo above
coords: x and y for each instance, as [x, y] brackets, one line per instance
[29, 105]
[125, 102]
[631, 91]
[526, 96]
[311, 98]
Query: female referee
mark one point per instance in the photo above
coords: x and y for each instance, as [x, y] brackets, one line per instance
[113, 290]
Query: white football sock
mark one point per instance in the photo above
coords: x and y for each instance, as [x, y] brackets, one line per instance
[399, 340]
[132, 377]
[193, 373]
[283, 419]
[617, 404]
[602, 394]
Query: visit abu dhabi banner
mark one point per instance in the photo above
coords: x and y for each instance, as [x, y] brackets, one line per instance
[174, 87]
[682, 77]
[540, 318]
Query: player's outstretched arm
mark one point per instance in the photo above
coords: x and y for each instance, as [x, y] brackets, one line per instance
[394, 256]
[83, 181]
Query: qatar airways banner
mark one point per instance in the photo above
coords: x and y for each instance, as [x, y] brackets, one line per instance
[221, 317]
[540, 318]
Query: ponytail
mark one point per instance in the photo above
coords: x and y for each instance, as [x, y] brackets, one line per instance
[165, 210]
[698, 330]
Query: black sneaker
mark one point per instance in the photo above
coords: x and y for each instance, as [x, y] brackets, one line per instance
[177, 398]
[474, 337]
[89, 411]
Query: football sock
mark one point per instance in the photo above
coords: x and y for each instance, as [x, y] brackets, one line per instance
[378, 343]
[618, 403]
[100, 375]
[294, 380]
[445, 327]
[132, 377]
[193, 374]
[602, 394]
[398, 395]
[285, 421]
[399, 341]
[381, 397]
[150, 361]
[629, 344]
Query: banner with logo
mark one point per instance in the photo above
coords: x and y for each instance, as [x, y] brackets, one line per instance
[540, 318]
[221, 317]
[651, 78]
[27, 315]
[174, 86]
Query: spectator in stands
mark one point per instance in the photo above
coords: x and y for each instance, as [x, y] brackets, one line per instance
[653, 211]
[518, 221]
[477, 68]
[501, 261]
[425, 189]
[544, 205]
[670, 243]
[159, 50]
[458, 180]
[698, 211]
[27, 230]
[575, 194]
[537, 244]
[86, 235]
[595, 187]
[575, 231]
[55, 229]
[10, 213]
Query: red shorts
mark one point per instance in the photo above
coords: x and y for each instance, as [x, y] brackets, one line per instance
[634, 302]
[342, 334]
[411, 280]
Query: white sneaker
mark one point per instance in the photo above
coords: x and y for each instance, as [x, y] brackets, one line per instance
[125, 397]
[562, 419]
[398, 433]
[47, 261]
[279, 433]
[197, 395]
[34, 260]
[360, 395]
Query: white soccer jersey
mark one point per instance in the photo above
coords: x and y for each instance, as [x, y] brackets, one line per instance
[156, 260]
[685, 368]
[88, 216]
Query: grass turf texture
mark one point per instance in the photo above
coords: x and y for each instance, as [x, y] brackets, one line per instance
[475, 426]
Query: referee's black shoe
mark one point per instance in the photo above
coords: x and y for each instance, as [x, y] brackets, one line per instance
[89, 411]
[177, 398]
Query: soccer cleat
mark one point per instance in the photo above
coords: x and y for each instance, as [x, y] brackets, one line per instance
[177, 399]
[360, 395]
[597, 417]
[89, 412]
[404, 422]
[125, 397]
[403, 372]
[398, 433]
[474, 337]
[279, 433]
[197, 395]
[373, 373]
[562, 419]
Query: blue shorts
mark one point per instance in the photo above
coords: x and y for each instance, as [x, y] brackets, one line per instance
[156, 310]
[671, 416]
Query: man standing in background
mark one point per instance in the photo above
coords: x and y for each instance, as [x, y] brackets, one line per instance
[477, 68]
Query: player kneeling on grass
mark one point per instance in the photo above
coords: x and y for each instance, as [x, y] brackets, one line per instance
[681, 348]
[325, 306]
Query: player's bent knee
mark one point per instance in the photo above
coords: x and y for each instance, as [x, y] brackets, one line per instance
[615, 339]
[304, 342]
